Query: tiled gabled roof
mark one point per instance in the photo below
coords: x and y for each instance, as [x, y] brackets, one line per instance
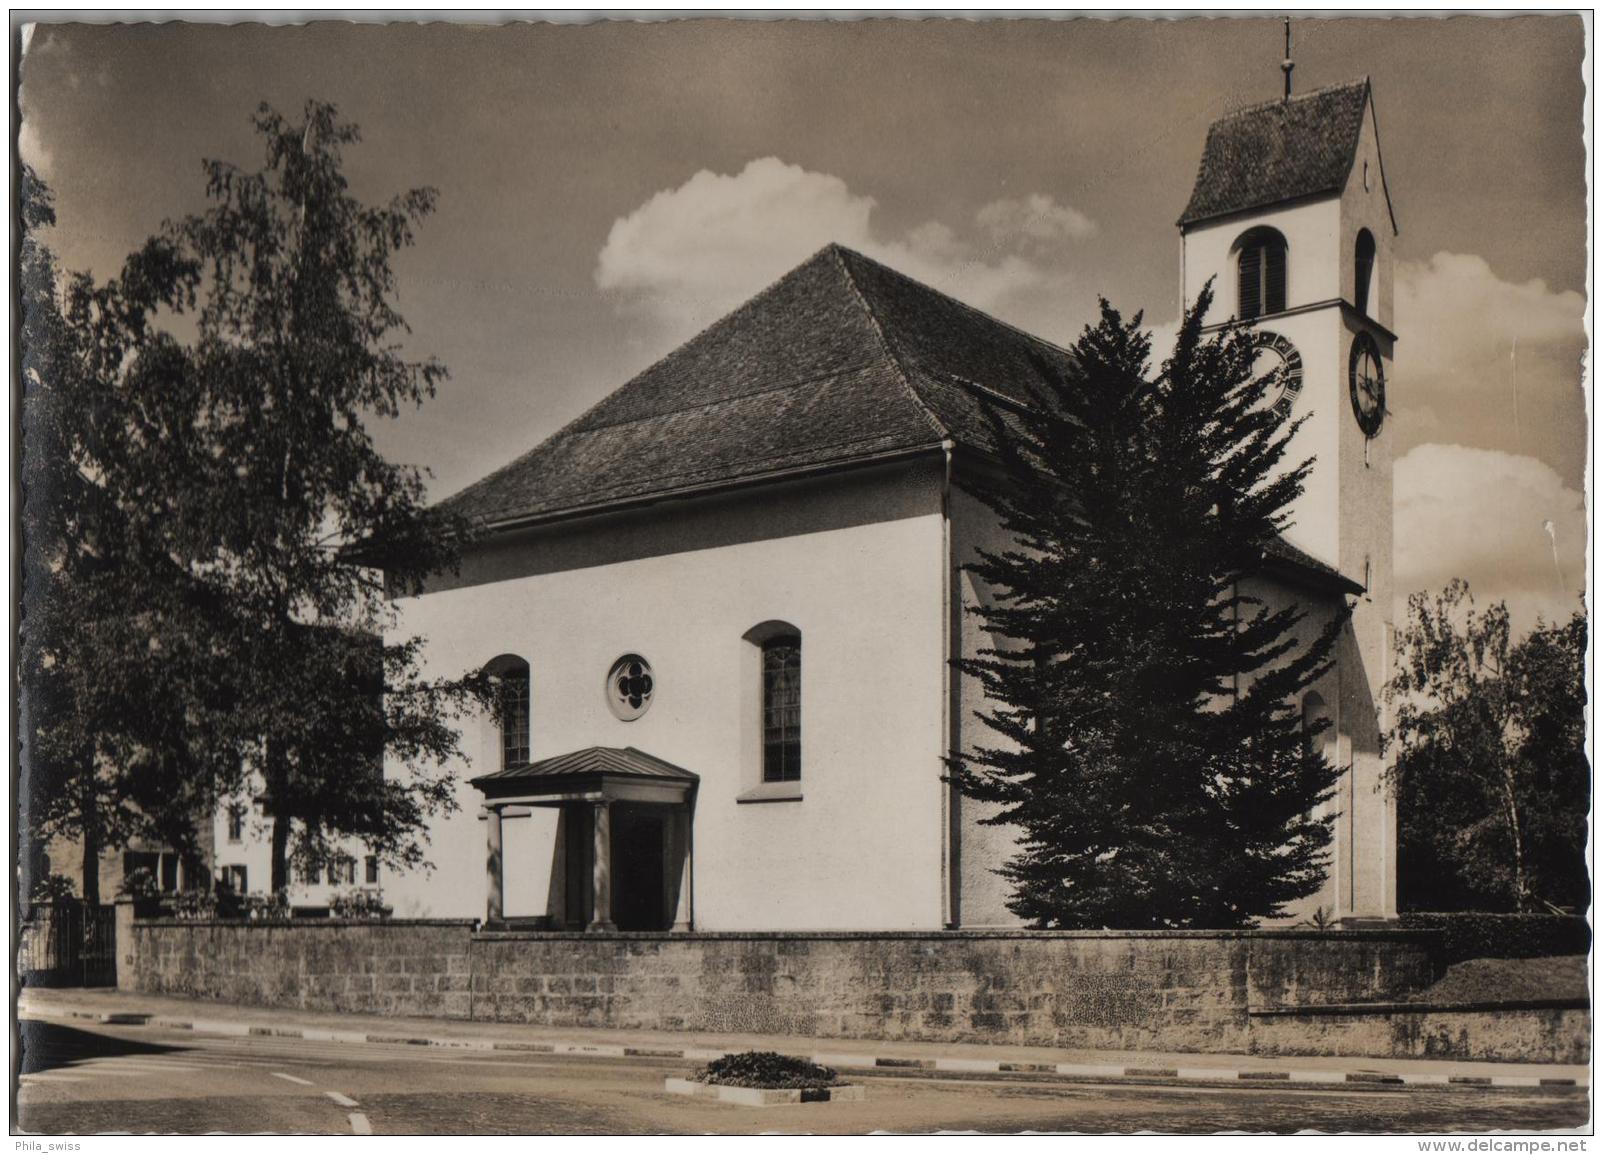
[842, 360]
[1279, 151]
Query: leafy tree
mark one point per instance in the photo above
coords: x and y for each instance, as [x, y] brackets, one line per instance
[1491, 771]
[64, 788]
[241, 509]
[1152, 753]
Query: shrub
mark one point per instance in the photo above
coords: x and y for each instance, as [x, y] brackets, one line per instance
[1473, 934]
[54, 888]
[361, 903]
[267, 907]
[194, 906]
[139, 883]
[767, 1070]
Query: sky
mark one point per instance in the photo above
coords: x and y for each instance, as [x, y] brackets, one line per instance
[606, 190]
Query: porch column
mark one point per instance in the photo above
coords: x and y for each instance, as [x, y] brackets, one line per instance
[684, 916]
[601, 874]
[492, 864]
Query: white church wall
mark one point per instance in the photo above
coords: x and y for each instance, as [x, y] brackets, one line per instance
[1334, 898]
[526, 842]
[855, 563]
[981, 850]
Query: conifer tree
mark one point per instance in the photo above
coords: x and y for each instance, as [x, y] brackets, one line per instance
[1146, 735]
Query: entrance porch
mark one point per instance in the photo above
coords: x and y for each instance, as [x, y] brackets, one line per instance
[622, 858]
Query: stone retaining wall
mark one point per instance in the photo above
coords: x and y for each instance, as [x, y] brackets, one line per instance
[381, 968]
[1181, 991]
[1510, 1033]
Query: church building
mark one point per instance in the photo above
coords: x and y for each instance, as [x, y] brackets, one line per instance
[724, 603]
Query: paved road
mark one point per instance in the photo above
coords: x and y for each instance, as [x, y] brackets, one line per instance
[85, 1079]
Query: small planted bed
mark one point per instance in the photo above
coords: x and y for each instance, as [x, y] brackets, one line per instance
[765, 1079]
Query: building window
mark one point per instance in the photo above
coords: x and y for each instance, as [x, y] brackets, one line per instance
[236, 822]
[1318, 728]
[782, 708]
[372, 869]
[630, 684]
[343, 872]
[1363, 270]
[512, 708]
[312, 873]
[1260, 274]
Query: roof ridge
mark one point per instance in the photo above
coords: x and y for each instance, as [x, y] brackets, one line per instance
[897, 355]
[836, 251]
[1281, 102]
[990, 318]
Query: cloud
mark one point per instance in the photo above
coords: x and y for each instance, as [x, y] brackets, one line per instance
[1036, 218]
[689, 254]
[1458, 326]
[31, 148]
[1481, 515]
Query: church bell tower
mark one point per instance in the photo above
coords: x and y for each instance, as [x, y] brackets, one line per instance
[1291, 219]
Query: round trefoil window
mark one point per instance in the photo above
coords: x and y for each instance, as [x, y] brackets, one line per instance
[630, 685]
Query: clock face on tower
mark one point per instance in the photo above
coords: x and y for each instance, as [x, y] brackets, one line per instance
[1277, 355]
[1366, 382]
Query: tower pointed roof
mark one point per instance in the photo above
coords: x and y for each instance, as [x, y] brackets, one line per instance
[841, 361]
[1278, 151]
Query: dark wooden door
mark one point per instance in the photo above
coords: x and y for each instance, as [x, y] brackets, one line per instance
[637, 864]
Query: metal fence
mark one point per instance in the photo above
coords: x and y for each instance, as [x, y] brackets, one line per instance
[68, 944]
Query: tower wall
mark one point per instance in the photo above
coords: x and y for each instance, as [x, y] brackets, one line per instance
[1344, 516]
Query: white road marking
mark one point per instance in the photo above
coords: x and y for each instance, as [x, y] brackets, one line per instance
[291, 1079]
[359, 1124]
[342, 1100]
[50, 1077]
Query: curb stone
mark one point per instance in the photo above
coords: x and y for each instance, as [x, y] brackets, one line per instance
[763, 1097]
[848, 1060]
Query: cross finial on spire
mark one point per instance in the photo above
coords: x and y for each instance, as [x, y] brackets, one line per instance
[1286, 65]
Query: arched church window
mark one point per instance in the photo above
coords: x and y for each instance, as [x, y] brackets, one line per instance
[1318, 727]
[1260, 273]
[1363, 269]
[782, 708]
[770, 709]
[511, 674]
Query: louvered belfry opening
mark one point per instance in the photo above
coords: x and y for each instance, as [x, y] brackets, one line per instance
[1363, 269]
[1261, 274]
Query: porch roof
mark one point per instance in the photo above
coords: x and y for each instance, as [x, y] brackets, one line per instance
[590, 766]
